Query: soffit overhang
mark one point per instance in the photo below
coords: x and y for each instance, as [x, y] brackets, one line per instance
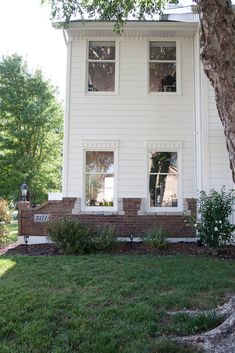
[132, 30]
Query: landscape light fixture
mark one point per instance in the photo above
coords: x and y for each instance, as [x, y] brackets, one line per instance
[26, 240]
[24, 190]
[131, 238]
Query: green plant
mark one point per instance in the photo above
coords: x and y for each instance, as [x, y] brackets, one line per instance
[105, 237]
[157, 238]
[185, 324]
[5, 214]
[212, 221]
[4, 233]
[5, 217]
[69, 234]
[72, 237]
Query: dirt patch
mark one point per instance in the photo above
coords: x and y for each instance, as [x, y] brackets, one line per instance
[227, 252]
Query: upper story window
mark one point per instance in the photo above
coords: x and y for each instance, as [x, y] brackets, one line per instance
[163, 179]
[99, 178]
[162, 67]
[101, 66]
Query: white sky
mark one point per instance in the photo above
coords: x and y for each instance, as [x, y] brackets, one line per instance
[25, 29]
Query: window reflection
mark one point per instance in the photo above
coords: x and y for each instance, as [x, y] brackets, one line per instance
[163, 179]
[99, 178]
[162, 67]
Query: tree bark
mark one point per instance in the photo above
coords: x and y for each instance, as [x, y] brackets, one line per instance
[219, 340]
[217, 42]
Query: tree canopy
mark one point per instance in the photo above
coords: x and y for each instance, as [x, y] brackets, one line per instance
[31, 121]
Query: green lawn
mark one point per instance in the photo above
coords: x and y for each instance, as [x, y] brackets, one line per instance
[13, 233]
[102, 303]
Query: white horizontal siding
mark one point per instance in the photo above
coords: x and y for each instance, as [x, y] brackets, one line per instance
[132, 116]
[219, 171]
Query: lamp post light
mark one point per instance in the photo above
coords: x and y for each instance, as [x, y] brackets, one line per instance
[26, 240]
[24, 190]
[131, 238]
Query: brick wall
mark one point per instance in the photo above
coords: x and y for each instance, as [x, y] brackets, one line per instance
[127, 222]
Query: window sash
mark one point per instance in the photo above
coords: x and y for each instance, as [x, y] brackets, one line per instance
[100, 61]
[171, 199]
[104, 204]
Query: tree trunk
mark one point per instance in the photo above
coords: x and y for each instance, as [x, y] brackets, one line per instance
[219, 340]
[217, 44]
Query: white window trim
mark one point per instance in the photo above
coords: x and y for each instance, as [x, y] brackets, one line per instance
[165, 146]
[116, 61]
[100, 145]
[178, 67]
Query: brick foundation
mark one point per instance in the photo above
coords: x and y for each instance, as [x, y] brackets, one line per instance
[130, 218]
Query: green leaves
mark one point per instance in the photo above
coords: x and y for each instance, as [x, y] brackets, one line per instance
[31, 122]
[115, 10]
[213, 224]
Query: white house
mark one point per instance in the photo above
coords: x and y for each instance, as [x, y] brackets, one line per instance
[142, 135]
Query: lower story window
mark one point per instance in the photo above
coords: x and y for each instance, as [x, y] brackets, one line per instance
[163, 179]
[99, 178]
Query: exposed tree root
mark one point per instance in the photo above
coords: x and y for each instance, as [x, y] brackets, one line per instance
[219, 340]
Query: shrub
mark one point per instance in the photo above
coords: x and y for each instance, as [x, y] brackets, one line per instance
[5, 217]
[212, 222]
[105, 237]
[4, 233]
[157, 238]
[72, 237]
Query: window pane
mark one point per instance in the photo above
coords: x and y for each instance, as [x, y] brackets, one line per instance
[162, 51]
[100, 161]
[162, 77]
[99, 190]
[163, 162]
[163, 190]
[102, 50]
[101, 77]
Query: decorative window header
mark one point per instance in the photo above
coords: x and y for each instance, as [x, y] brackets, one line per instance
[173, 145]
[100, 144]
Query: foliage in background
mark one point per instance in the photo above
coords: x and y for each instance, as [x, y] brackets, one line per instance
[31, 121]
[5, 214]
[119, 11]
[72, 237]
[5, 217]
[212, 221]
[157, 238]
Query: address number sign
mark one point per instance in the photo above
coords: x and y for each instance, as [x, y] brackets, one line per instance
[41, 217]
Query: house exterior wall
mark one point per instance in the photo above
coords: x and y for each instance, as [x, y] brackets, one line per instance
[219, 171]
[132, 117]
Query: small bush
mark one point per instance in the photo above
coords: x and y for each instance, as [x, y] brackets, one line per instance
[4, 233]
[105, 238]
[212, 222]
[5, 217]
[157, 238]
[5, 214]
[72, 237]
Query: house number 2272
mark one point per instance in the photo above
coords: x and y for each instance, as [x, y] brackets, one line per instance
[41, 217]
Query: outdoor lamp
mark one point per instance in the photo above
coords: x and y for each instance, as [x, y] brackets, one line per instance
[24, 190]
[26, 240]
[131, 238]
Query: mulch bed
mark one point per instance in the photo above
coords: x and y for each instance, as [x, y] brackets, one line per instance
[226, 253]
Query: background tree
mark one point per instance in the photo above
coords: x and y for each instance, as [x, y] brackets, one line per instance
[217, 43]
[31, 122]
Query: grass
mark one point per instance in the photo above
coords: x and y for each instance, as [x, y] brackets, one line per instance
[13, 233]
[183, 324]
[103, 303]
